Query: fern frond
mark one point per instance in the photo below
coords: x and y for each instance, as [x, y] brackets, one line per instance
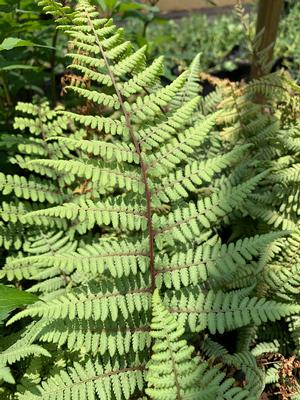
[264, 347]
[135, 190]
[192, 87]
[13, 354]
[172, 371]
[56, 8]
[6, 375]
[119, 213]
[14, 212]
[218, 263]
[154, 136]
[11, 235]
[219, 311]
[174, 152]
[102, 175]
[32, 188]
[186, 223]
[119, 258]
[178, 185]
[121, 337]
[108, 151]
[106, 124]
[109, 301]
[106, 378]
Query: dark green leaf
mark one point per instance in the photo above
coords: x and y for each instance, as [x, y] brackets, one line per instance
[11, 298]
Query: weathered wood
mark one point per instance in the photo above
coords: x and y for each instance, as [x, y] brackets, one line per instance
[268, 18]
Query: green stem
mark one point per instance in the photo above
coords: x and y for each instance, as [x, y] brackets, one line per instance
[144, 33]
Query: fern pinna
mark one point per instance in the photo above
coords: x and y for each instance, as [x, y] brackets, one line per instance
[135, 211]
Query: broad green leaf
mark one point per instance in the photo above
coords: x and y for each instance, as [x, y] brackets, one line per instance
[11, 298]
[12, 42]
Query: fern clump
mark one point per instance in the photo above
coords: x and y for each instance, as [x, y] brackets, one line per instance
[136, 207]
[265, 115]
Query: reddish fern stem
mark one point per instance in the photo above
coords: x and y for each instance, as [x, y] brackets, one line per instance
[144, 168]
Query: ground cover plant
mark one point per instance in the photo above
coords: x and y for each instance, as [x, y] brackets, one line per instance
[217, 38]
[221, 41]
[153, 234]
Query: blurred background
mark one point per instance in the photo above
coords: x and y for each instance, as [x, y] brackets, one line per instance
[32, 51]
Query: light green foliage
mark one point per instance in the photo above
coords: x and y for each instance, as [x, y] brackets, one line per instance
[275, 136]
[265, 115]
[173, 373]
[134, 203]
[42, 123]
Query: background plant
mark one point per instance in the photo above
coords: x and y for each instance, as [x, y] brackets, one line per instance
[30, 54]
[265, 114]
[221, 41]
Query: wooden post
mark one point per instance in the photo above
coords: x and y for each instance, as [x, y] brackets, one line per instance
[269, 12]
